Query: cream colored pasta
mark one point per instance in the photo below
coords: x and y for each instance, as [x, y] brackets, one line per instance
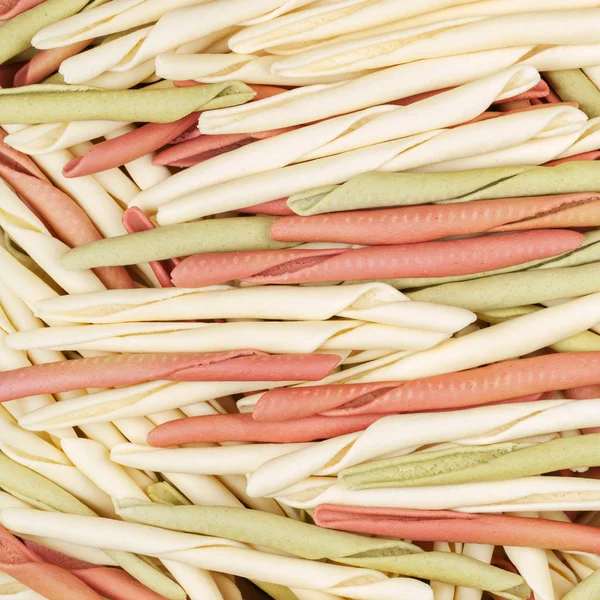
[532, 564]
[371, 302]
[218, 460]
[513, 495]
[342, 134]
[499, 342]
[272, 336]
[137, 401]
[330, 20]
[431, 147]
[188, 21]
[104, 59]
[44, 139]
[111, 17]
[249, 68]
[460, 36]
[312, 103]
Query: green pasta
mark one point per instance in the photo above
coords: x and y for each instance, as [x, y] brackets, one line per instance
[586, 341]
[45, 103]
[377, 190]
[503, 314]
[311, 542]
[16, 34]
[587, 589]
[535, 281]
[452, 568]
[35, 489]
[514, 289]
[211, 235]
[572, 85]
[588, 252]
[470, 464]
[265, 529]
[164, 493]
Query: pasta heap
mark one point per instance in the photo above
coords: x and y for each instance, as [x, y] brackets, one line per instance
[300, 299]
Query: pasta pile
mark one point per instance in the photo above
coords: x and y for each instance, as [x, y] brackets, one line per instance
[300, 299]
